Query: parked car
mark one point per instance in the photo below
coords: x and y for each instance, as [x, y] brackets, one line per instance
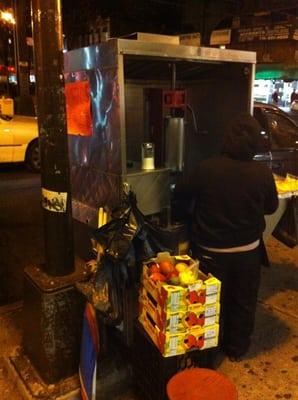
[19, 141]
[280, 143]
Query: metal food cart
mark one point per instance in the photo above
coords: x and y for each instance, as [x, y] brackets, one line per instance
[123, 92]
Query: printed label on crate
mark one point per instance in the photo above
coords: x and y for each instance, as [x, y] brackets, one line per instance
[196, 338]
[210, 333]
[211, 320]
[173, 343]
[211, 289]
[174, 321]
[210, 342]
[175, 300]
[211, 310]
[212, 299]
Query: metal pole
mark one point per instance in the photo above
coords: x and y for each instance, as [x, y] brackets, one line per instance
[16, 46]
[15, 54]
[21, 14]
[173, 76]
[56, 195]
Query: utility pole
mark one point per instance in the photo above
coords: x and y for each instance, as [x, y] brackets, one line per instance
[51, 112]
[53, 309]
[21, 50]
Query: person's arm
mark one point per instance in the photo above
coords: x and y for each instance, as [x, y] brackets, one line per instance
[187, 187]
[271, 196]
[184, 193]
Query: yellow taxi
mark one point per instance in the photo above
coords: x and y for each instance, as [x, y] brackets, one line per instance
[19, 140]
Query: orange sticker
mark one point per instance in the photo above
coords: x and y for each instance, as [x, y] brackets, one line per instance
[78, 108]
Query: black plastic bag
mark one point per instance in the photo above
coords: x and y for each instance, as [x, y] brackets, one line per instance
[105, 289]
[117, 235]
[127, 240]
[286, 230]
[130, 227]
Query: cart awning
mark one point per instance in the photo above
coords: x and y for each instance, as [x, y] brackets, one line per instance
[277, 71]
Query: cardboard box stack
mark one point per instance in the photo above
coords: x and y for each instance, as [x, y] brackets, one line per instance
[180, 312]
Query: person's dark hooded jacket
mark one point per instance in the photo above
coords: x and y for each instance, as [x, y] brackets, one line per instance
[230, 193]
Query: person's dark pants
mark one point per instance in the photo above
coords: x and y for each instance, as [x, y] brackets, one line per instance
[240, 277]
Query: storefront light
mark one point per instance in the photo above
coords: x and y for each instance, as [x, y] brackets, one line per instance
[8, 17]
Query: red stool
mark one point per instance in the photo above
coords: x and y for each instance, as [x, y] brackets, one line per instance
[200, 384]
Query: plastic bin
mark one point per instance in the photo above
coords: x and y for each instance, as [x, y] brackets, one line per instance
[152, 371]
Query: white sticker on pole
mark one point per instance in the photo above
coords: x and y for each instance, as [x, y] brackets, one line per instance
[54, 201]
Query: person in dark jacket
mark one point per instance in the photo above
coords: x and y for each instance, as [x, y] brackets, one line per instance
[230, 194]
[275, 97]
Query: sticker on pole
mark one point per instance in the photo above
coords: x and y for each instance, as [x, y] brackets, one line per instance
[53, 201]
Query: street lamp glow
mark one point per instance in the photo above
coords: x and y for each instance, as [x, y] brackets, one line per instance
[8, 17]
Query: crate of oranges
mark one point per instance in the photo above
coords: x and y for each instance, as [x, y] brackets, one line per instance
[177, 284]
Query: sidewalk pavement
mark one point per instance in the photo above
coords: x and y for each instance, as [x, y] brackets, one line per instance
[10, 341]
[270, 370]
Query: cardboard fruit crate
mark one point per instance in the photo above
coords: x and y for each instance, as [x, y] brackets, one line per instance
[178, 321]
[173, 298]
[172, 344]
